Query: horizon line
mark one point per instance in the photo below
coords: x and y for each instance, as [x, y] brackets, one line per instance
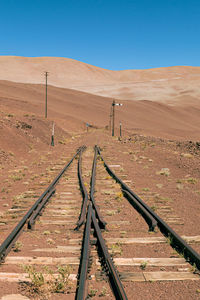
[115, 70]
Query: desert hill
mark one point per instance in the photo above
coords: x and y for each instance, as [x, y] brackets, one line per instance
[168, 108]
[72, 109]
[170, 85]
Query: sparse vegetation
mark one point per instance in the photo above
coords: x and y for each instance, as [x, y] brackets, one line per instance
[15, 177]
[34, 176]
[61, 283]
[108, 177]
[37, 278]
[116, 249]
[145, 189]
[123, 233]
[63, 141]
[46, 281]
[13, 216]
[143, 265]
[194, 269]
[152, 144]
[154, 207]
[50, 241]
[119, 196]
[179, 181]
[104, 292]
[92, 292]
[111, 213]
[107, 192]
[17, 246]
[163, 171]
[169, 240]
[191, 180]
[46, 232]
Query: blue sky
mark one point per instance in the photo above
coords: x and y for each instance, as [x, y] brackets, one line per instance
[115, 35]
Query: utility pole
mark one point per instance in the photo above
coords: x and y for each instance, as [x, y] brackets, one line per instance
[46, 75]
[113, 115]
[113, 118]
[52, 135]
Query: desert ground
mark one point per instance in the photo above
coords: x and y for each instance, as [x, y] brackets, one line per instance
[160, 129]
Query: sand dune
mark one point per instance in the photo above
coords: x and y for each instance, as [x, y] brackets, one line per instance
[168, 85]
[72, 109]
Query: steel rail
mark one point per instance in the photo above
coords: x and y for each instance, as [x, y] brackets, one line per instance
[112, 273]
[82, 217]
[92, 216]
[102, 223]
[81, 292]
[175, 240]
[12, 237]
[141, 209]
[37, 212]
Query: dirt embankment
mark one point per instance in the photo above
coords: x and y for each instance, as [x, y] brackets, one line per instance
[21, 134]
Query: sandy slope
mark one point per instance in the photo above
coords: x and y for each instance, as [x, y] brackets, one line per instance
[171, 85]
[72, 109]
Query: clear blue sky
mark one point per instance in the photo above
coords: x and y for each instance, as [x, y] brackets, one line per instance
[120, 34]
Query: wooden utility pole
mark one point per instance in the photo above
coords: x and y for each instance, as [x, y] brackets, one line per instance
[46, 75]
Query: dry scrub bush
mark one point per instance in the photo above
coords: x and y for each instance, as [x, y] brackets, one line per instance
[45, 282]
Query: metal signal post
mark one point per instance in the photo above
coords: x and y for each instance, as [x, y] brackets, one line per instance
[120, 129]
[113, 118]
[113, 115]
[52, 135]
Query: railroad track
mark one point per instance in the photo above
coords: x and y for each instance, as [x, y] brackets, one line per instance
[95, 232]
